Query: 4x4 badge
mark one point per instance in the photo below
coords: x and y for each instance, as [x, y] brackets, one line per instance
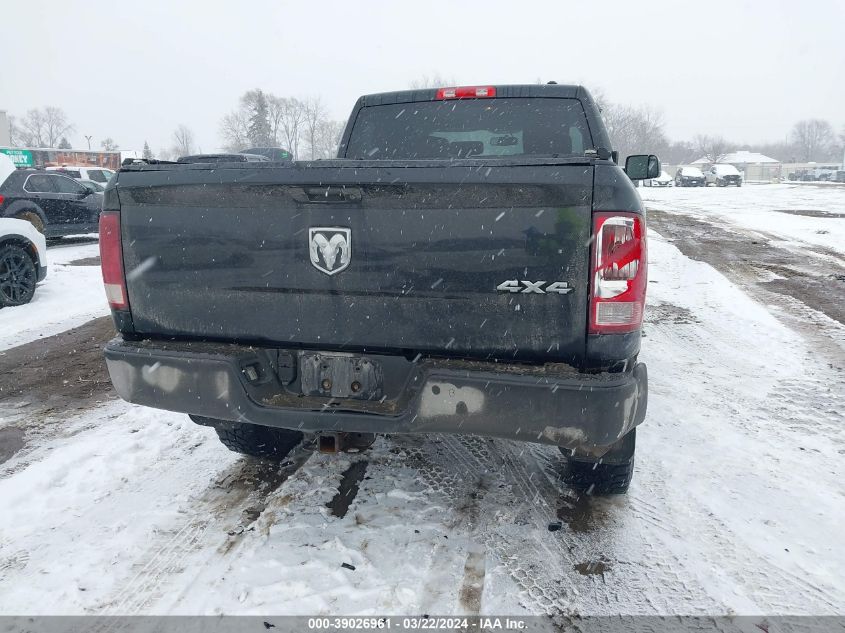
[534, 287]
[330, 248]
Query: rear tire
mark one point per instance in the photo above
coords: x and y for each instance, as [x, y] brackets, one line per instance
[607, 475]
[254, 440]
[33, 218]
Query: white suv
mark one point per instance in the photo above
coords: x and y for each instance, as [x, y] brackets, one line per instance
[87, 172]
[723, 175]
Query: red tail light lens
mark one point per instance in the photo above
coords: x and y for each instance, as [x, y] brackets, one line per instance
[111, 260]
[2, 199]
[467, 92]
[618, 273]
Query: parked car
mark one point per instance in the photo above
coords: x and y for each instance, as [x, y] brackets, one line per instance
[23, 261]
[723, 175]
[689, 177]
[54, 204]
[376, 316]
[97, 174]
[840, 175]
[825, 173]
[663, 180]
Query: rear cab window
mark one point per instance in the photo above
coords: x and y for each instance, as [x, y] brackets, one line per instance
[502, 127]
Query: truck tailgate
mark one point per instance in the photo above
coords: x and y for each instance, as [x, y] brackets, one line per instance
[240, 253]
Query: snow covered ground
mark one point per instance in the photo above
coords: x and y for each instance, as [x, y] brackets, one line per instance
[69, 296]
[794, 213]
[736, 506]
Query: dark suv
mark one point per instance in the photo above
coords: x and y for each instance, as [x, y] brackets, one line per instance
[55, 204]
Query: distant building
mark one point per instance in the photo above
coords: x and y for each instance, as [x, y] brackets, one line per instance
[5, 136]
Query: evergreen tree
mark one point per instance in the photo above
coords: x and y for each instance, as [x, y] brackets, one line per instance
[64, 143]
[147, 153]
[259, 122]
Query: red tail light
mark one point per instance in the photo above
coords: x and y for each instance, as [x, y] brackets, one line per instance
[2, 199]
[467, 92]
[111, 260]
[617, 293]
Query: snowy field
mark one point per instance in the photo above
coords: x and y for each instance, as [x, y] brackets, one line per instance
[736, 507]
[797, 214]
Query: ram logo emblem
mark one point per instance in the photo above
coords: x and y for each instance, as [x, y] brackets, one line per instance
[330, 248]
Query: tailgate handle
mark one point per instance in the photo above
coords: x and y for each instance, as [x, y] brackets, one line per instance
[328, 195]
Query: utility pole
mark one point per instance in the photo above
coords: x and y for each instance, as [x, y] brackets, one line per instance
[88, 138]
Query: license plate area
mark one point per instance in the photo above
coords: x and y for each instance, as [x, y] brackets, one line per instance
[333, 375]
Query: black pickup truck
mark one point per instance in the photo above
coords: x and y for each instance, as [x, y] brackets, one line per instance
[473, 262]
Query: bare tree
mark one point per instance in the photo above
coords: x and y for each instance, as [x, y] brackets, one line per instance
[184, 140]
[781, 150]
[301, 126]
[42, 128]
[276, 107]
[713, 148]
[326, 139]
[234, 128]
[314, 117]
[56, 125]
[32, 129]
[109, 145]
[291, 117]
[634, 130]
[812, 138]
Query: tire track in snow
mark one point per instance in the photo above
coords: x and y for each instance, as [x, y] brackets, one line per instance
[544, 564]
[237, 499]
[484, 458]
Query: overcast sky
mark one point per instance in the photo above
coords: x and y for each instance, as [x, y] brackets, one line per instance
[135, 70]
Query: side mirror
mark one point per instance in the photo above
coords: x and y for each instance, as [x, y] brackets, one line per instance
[642, 166]
[88, 191]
